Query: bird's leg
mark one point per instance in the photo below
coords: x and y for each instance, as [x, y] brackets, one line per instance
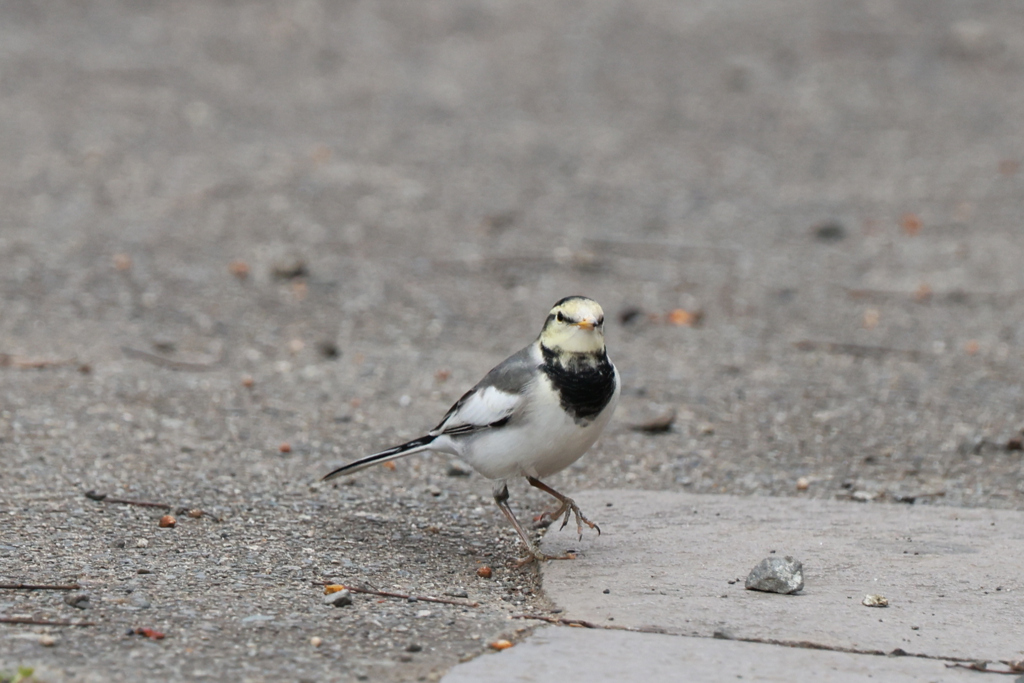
[568, 507]
[501, 500]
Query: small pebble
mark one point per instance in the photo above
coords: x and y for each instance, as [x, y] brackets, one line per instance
[195, 514]
[457, 593]
[47, 640]
[657, 425]
[328, 349]
[316, 641]
[829, 231]
[285, 447]
[629, 314]
[142, 543]
[681, 317]
[500, 645]
[289, 267]
[783, 575]
[140, 601]
[803, 483]
[414, 647]
[340, 598]
[875, 601]
[79, 600]
[239, 269]
[150, 633]
[167, 522]
[911, 224]
[484, 572]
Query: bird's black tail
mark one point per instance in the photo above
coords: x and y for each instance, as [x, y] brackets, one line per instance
[414, 446]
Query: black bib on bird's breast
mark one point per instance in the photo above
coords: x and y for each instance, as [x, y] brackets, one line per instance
[584, 386]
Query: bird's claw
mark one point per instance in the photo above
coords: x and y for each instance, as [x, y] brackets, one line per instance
[538, 556]
[569, 507]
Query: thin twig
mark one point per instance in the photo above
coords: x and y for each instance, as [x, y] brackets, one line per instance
[43, 622]
[859, 350]
[982, 667]
[418, 598]
[39, 587]
[910, 499]
[104, 498]
[168, 363]
[8, 360]
[195, 513]
[400, 596]
[580, 623]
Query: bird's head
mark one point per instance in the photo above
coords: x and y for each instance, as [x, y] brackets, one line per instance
[574, 325]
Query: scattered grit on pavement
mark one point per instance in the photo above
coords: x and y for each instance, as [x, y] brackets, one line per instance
[227, 228]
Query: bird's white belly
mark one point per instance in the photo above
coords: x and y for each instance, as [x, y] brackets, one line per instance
[546, 442]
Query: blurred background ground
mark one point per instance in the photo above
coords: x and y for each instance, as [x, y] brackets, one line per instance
[325, 220]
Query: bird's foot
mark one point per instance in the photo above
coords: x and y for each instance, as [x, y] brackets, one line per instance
[538, 556]
[570, 507]
[544, 519]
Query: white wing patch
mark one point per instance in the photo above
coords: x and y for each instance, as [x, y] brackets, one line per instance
[479, 410]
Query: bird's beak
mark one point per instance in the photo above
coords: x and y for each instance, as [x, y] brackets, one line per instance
[587, 325]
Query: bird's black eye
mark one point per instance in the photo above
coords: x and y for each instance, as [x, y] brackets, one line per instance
[600, 321]
[560, 318]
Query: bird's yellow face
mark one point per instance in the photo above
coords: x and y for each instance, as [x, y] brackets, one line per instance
[574, 325]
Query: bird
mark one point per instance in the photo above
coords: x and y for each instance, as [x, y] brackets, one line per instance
[531, 416]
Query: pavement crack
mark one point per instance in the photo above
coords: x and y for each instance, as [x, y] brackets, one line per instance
[1013, 667]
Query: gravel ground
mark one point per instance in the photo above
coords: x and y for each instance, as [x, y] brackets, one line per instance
[834, 187]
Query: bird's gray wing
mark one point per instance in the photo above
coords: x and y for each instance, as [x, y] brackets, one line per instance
[495, 399]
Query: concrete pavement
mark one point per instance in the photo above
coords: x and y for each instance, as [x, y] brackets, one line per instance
[675, 563]
[571, 655]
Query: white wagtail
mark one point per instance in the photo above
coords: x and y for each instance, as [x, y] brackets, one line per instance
[531, 416]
